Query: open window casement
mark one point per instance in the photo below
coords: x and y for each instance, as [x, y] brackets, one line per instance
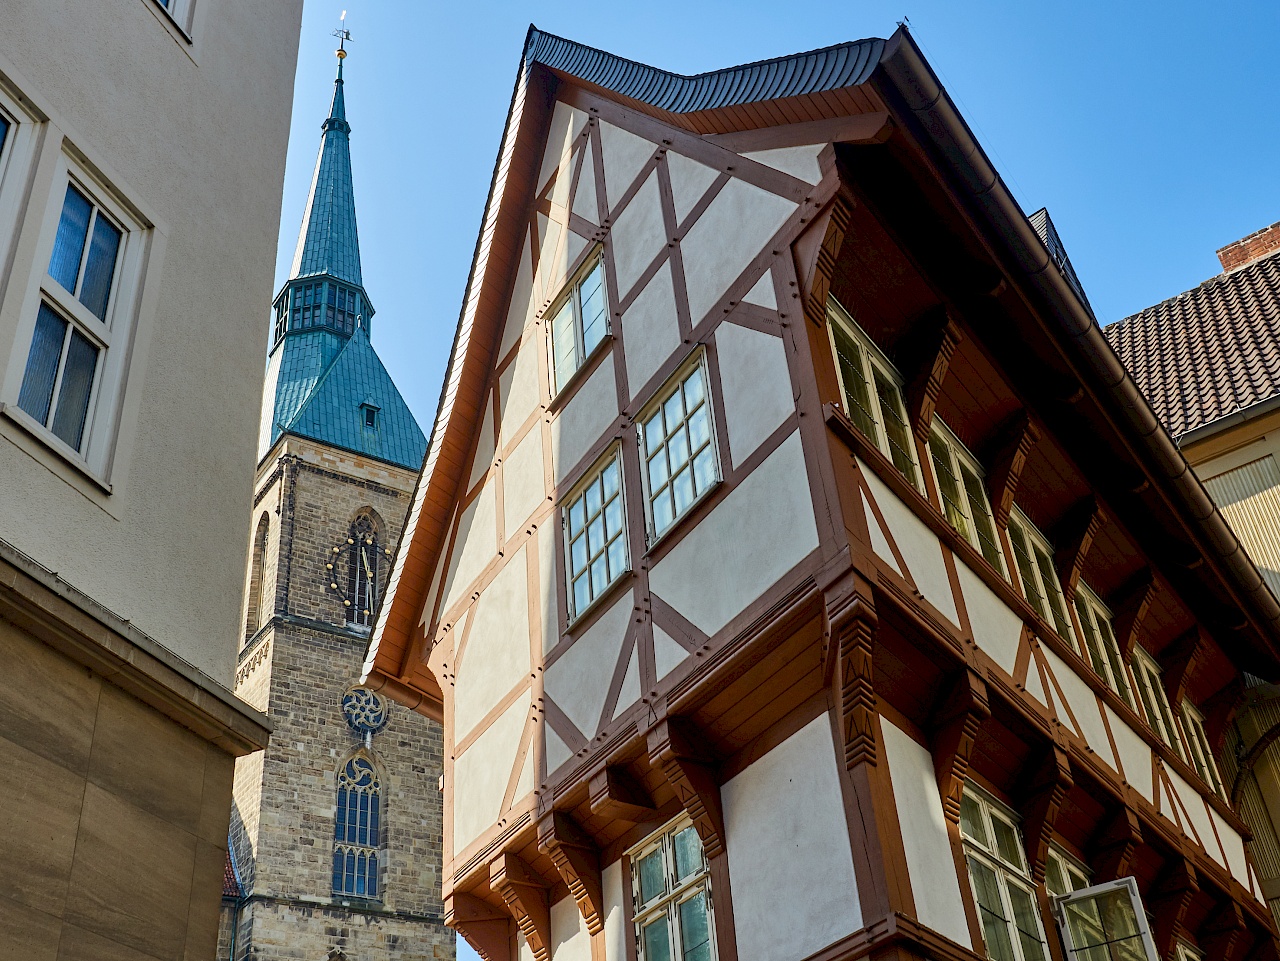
[1105, 922]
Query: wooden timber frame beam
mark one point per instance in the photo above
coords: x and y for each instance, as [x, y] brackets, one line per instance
[679, 751]
[527, 898]
[849, 631]
[1017, 436]
[937, 336]
[815, 265]
[577, 861]
[1224, 933]
[616, 795]
[1131, 608]
[955, 728]
[1178, 663]
[1116, 843]
[1075, 536]
[1050, 780]
[486, 928]
[1171, 895]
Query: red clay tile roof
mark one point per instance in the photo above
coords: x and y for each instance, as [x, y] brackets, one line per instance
[1210, 351]
[230, 883]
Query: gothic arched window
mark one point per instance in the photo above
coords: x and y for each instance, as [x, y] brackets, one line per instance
[362, 588]
[357, 830]
[256, 604]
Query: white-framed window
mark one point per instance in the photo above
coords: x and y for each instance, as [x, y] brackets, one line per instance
[872, 390]
[77, 334]
[1155, 703]
[671, 896]
[595, 534]
[1198, 746]
[678, 447]
[1186, 952]
[179, 12]
[1002, 888]
[1063, 873]
[1105, 921]
[1100, 642]
[963, 496]
[579, 322]
[1033, 557]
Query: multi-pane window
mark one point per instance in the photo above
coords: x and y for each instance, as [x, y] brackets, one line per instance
[319, 304]
[1198, 747]
[74, 322]
[677, 443]
[1186, 952]
[1040, 585]
[1106, 922]
[1155, 703]
[1100, 642]
[362, 572]
[962, 494]
[1002, 887]
[1063, 873]
[578, 323]
[595, 535]
[671, 897]
[357, 830]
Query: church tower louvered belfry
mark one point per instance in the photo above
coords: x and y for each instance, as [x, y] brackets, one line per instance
[335, 832]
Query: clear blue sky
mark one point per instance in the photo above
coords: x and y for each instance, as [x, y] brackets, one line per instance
[1148, 129]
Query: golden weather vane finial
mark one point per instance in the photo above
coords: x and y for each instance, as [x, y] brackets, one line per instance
[343, 35]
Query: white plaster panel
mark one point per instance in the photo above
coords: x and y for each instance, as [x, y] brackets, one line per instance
[997, 629]
[584, 198]
[917, 544]
[1198, 811]
[566, 124]
[1135, 756]
[518, 393]
[799, 162]
[624, 154]
[755, 386]
[615, 917]
[496, 657]
[759, 532]
[570, 940]
[474, 547]
[548, 537]
[638, 235]
[557, 751]
[1035, 686]
[630, 691]
[523, 483]
[689, 181]
[762, 294]
[650, 329]
[484, 448]
[726, 238]
[936, 890]
[549, 236]
[556, 264]
[523, 951]
[790, 863]
[521, 307]
[879, 542]
[668, 654]
[481, 773]
[1234, 847]
[584, 419]
[1084, 705]
[579, 679]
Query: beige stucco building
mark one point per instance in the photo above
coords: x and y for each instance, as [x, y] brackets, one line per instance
[142, 148]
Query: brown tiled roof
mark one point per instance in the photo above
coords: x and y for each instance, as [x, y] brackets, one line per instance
[1210, 351]
[230, 883]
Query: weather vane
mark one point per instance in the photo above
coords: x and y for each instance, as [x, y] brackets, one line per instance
[343, 35]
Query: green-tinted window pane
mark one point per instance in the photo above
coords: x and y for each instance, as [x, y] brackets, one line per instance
[1054, 591]
[695, 933]
[657, 940]
[980, 512]
[971, 820]
[652, 879]
[948, 485]
[856, 395]
[1024, 919]
[995, 926]
[1007, 844]
[688, 850]
[1092, 642]
[1105, 927]
[895, 426]
[1055, 880]
[1112, 650]
[1026, 569]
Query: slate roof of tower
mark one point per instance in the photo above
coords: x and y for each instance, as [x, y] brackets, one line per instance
[1048, 235]
[1208, 352]
[328, 243]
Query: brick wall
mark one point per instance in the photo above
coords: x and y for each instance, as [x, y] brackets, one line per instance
[1257, 245]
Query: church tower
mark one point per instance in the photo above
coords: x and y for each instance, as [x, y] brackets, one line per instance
[335, 832]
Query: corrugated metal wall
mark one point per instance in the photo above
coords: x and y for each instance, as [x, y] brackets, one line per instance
[1249, 498]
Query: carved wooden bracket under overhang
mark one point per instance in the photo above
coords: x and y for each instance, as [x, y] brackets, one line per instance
[1017, 435]
[1223, 935]
[616, 795]
[1178, 663]
[679, 751]
[527, 898]
[1219, 711]
[1050, 780]
[1170, 897]
[849, 631]
[1116, 844]
[1075, 536]
[955, 728]
[815, 253]
[1132, 602]
[578, 862]
[486, 928]
[936, 338]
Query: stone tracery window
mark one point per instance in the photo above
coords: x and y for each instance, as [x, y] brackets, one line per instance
[357, 831]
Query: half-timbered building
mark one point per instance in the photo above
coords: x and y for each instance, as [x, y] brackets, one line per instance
[795, 569]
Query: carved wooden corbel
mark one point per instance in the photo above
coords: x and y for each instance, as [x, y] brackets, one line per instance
[1220, 710]
[1171, 896]
[1050, 781]
[816, 252]
[1223, 934]
[486, 928]
[955, 725]
[1116, 845]
[616, 795]
[939, 336]
[1178, 662]
[1132, 603]
[578, 862]
[849, 637]
[679, 751]
[1075, 536]
[1018, 435]
[526, 897]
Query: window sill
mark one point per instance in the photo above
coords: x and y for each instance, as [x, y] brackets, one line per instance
[55, 445]
[561, 398]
